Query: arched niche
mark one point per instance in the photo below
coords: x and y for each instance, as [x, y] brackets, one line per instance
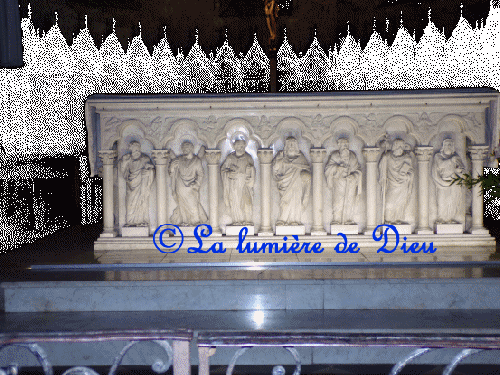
[234, 129]
[129, 131]
[401, 127]
[292, 127]
[183, 130]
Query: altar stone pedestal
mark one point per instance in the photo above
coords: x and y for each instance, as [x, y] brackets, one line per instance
[286, 230]
[135, 231]
[403, 228]
[345, 229]
[234, 230]
[449, 228]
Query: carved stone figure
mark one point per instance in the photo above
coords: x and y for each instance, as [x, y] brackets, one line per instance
[343, 175]
[396, 175]
[238, 178]
[186, 172]
[138, 171]
[271, 11]
[447, 165]
[293, 175]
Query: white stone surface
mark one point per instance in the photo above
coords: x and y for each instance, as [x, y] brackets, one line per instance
[234, 230]
[282, 230]
[135, 231]
[449, 228]
[403, 229]
[375, 125]
[343, 175]
[346, 229]
[292, 173]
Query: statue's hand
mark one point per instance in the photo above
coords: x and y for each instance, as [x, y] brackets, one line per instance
[127, 157]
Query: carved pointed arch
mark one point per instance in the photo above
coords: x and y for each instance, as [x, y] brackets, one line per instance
[342, 124]
[232, 127]
[401, 124]
[121, 127]
[290, 126]
[180, 127]
[455, 124]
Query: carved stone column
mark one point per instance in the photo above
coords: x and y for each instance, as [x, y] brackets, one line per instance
[265, 159]
[317, 157]
[424, 154]
[107, 157]
[161, 159]
[478, 154]
[371, 154]
[213, 159]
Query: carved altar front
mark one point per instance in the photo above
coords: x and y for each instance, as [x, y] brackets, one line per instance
[306, 166]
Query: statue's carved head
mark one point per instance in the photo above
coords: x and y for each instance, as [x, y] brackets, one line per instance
[187, 148]
[398, 147]
[343, 143]
[448, 147]
[239, 146]
[292, 147]
[135, 149]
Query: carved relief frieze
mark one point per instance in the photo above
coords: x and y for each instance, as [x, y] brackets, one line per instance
[475, 126]
[264, 129]
[109, 130]
[308, 166]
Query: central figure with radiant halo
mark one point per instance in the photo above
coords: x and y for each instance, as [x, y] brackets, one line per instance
[292, 173]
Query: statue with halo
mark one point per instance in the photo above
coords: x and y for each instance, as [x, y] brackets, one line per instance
[238, 178]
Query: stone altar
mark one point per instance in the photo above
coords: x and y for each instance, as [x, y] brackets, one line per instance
[395, 137]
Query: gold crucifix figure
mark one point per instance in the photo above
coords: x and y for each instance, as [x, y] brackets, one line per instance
[271, 10]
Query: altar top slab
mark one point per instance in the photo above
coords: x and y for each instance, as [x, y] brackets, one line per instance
[447, 92]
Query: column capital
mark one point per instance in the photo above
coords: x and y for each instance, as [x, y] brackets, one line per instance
[371, 153]
[212, 156]
[160, 156]
[265, 155]
[478, 152]
[318, 155]
[108, 156]
[424, 153]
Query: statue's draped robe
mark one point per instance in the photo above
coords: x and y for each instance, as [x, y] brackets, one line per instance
[293, 176]
[139, 175]
[187, 176]
[238, 191]
[396, 175]
[346, 185]
[450, 199]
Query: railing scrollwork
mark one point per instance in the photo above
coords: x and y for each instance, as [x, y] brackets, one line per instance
[277, 370]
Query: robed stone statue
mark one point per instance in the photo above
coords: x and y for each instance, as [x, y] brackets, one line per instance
[446, 166]
[238, 178]
[343, 175]
[186, 172]
[138, 171]
[292, 173]
[396, 176]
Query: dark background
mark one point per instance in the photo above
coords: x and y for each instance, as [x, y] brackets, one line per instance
[45, 183]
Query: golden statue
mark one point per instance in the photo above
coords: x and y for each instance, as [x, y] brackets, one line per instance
[271, 10]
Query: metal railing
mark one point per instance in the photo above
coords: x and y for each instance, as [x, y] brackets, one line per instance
[423, 343]
[177, 357]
